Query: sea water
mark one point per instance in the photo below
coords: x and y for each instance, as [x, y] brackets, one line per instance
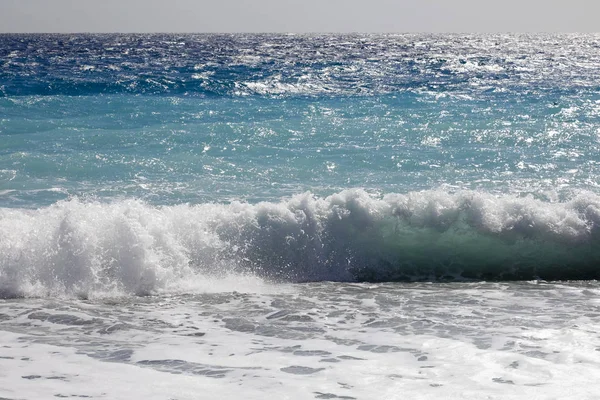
[299, 216]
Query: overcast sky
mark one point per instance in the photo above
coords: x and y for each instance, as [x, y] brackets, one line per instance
[299, 16]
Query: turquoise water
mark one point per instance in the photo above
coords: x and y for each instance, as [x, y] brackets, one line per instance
[297, 158]
[170, 150]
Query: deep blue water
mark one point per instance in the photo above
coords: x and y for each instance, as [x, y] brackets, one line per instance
[435, 148]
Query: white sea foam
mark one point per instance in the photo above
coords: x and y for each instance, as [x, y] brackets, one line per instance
[323, 340]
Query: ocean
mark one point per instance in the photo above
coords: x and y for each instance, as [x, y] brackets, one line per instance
[243, 216]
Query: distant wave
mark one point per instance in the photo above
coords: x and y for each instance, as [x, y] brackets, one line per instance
[301, 65]
[75, 248]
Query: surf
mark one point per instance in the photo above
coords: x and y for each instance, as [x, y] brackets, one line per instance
[79, 247]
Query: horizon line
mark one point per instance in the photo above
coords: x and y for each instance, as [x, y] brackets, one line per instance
[301, 33]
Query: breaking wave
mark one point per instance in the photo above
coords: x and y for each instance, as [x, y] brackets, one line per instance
[79, 248]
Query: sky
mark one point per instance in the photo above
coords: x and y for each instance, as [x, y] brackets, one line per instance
[299, 16]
